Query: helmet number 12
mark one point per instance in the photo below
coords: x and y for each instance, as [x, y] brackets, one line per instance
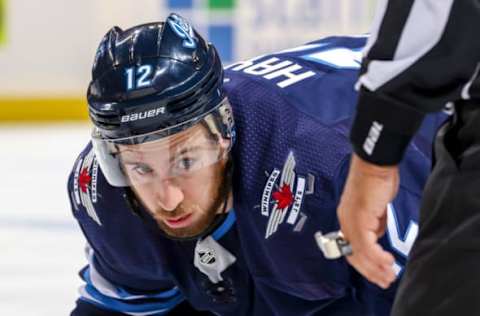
[140, 77]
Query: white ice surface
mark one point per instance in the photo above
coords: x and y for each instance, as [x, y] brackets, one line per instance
[41, 246]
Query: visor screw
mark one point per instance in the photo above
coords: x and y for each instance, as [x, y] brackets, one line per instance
[196, 60]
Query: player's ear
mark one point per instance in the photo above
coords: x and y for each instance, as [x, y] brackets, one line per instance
[225, 145]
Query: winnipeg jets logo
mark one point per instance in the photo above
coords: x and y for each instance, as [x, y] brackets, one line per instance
[181, 27]
[284, 198]
[85, 184]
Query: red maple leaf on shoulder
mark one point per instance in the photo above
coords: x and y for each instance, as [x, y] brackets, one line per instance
[284, 196]
[84, 180]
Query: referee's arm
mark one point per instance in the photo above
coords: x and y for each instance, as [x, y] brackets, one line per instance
[421, 55]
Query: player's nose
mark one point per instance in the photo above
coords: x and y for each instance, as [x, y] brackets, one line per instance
[169, 195]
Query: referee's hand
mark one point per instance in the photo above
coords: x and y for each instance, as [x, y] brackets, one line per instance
[362, 215]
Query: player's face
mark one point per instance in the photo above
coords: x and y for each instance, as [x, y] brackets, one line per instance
[180, 180]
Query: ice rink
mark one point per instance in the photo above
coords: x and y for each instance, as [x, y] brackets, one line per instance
[41, 246]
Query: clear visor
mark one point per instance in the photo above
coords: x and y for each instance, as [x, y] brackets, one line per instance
[174, 154]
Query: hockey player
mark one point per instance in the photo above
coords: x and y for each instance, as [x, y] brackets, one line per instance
[180, 202]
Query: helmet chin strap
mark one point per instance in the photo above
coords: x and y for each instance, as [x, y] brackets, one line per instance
[137, 208]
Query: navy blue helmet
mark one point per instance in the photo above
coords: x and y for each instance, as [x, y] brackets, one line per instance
[149, 82]
[152, 69]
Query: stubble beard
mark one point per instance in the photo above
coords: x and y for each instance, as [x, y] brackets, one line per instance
[207, 216]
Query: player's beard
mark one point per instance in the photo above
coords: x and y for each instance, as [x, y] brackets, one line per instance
[219, 193]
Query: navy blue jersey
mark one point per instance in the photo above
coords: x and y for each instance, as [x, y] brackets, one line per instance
[293, 111]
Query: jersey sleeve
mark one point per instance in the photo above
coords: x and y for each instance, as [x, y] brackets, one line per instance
[107, 295]
[84, 308]
[107, 288]
[415, 63]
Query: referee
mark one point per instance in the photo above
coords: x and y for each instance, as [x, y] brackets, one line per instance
[421, 56]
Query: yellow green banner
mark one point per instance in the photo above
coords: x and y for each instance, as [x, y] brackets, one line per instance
[3, 23]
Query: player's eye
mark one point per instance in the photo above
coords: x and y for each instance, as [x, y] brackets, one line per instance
[142, 169]
[185, 164]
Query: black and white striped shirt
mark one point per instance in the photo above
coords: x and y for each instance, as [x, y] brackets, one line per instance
[422, 55]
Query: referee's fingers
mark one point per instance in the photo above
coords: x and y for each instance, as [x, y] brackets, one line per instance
[373, 273]
[374, 252]
[371, 260]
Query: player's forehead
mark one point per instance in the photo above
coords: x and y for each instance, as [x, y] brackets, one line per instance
[196, 134]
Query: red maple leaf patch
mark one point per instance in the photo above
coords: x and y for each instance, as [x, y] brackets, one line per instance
[284, 196]
[84, 180]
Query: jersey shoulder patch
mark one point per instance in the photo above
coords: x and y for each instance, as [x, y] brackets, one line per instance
[82, 183]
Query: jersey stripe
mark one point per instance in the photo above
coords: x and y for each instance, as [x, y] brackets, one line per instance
[226, 225]
[101, 292]
[423, 29]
